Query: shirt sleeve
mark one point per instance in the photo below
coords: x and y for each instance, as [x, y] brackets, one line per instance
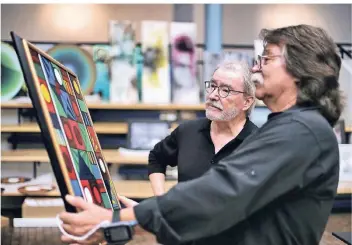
[163, 154]
[264, 168]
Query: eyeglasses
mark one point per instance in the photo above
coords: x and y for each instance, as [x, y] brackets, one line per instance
[262, 60]
[223, 90]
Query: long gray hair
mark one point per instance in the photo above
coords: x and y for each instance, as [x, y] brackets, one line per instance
[311, 57]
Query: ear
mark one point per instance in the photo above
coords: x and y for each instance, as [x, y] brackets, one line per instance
[249, 100]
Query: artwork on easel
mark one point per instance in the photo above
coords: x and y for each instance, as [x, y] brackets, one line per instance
[123, 88]
[156, 74]
[66, 126]
[184, 85]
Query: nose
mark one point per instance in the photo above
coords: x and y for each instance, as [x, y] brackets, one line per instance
[256, 68]
[214, 95]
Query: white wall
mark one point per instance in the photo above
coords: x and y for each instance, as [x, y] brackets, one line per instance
[75, 22]
[241, 22]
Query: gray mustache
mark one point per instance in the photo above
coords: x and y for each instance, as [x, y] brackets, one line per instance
[257, 78]
[218, 105]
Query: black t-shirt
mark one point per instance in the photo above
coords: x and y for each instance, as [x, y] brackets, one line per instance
[190, 148]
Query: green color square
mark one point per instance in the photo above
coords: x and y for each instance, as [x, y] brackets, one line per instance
[82, 105]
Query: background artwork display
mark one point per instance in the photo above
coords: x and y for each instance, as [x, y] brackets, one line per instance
[185, 88]
[12, 80]
[89, 62]
[162, 68]
[156, 74]
[74, 132]
[123, 88]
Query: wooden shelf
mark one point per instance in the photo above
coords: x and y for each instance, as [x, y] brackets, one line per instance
[15, 105]
[344, 188]
[138, 188]
[142, 189]
[40, 155]
[110, 106]
[128, 188]
[100, 128]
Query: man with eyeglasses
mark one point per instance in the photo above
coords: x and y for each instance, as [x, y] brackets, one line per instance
[196, 145]
[279, 185]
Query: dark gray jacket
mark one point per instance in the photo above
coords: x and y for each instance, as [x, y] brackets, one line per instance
[277, 188]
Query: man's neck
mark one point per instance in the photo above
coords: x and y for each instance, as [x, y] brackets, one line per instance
[230, 128]
[282, 103]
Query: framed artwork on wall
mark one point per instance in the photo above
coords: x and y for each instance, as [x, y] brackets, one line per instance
[71, 142]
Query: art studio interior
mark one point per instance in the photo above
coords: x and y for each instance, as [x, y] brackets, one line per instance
[88, 92]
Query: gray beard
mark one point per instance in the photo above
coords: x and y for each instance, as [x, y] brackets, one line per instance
[225, 115]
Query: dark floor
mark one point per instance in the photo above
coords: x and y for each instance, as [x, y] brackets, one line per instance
[337, 223]
[26, 236]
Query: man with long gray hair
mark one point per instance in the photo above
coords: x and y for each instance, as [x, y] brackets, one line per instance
[279, 185]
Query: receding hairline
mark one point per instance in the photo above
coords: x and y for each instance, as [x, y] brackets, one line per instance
[236, 74]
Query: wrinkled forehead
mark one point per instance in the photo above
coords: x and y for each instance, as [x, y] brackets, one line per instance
[228, 77]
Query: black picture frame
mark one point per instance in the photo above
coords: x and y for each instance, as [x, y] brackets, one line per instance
[22, 48]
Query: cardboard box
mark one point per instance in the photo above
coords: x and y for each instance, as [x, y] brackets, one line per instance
[42, 207]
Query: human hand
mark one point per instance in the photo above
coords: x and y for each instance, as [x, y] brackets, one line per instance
[78, 224]
[129, 203]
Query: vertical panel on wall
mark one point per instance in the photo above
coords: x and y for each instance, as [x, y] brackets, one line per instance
[156, 75]
[123, 87]
[185, 88]
[212, 55]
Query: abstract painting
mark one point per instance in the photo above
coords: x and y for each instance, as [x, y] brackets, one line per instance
[156, 73]
[123, 88]
[11, 74]
[67, 129]
[91, 62]
[185, 88]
